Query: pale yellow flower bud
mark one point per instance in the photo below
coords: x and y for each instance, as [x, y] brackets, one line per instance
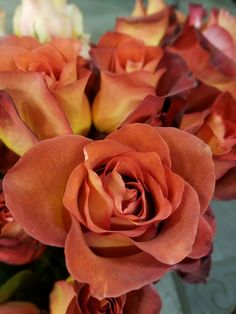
[2, 22]
[45, 19]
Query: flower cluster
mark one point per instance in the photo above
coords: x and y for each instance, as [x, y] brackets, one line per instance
[112, 152]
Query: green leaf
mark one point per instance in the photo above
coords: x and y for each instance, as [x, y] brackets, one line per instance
[14, 284]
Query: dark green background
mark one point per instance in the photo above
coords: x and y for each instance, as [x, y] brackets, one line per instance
[218, 296]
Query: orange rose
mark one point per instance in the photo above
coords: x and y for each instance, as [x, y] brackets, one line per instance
[16, 247]
[128, 74]
[46, 83]
[127, 208]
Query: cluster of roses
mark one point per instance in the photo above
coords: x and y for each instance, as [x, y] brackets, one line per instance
[115, 156]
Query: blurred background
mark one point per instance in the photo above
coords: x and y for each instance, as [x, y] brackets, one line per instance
[218, 296]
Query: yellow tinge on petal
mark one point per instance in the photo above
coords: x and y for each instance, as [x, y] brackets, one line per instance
[61, 296]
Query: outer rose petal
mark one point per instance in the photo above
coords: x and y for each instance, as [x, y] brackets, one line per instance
[61, 296]
[13, 132]
[145, 28]
[133, 136]
[146, 300]
[187, 152]
[119, 95]
[75, 104]
[18, 308]
[129, 273]
[44, 179]
[36, 106]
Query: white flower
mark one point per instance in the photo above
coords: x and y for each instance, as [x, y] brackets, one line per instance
[2, 22]
[45, 19]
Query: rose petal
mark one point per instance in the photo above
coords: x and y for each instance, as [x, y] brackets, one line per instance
[146, 300]
[36, 106]
[13, 132]
[186, 153]
[178, 232]
[74, 103]
[143, 138]
[128, 273]
[110, 108]
[144, 28]
[61, 296]
[38, 184]
[203, 242]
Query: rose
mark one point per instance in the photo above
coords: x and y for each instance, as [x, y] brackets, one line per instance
[127, 208]
[119, 53]
[45, 19]
[145, 300]
[16, 247]
[46, 83]
[152, 24]
[128, 74]
[209, 48]
[214, 122]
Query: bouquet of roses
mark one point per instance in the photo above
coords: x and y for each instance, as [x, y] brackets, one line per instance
[110, 154]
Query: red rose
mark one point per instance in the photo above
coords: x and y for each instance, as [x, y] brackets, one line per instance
[127, 208]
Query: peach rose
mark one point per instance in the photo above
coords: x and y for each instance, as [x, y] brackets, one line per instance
[16, 247]
[209, 48]
[128, 74]
[145, 300]
[47, 84]
[127, 208]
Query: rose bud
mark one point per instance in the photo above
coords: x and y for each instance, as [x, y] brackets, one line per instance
[16, 247]
[127, 66]
[145, 300]
[133, 202]
[45, 19]
[46, 83]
